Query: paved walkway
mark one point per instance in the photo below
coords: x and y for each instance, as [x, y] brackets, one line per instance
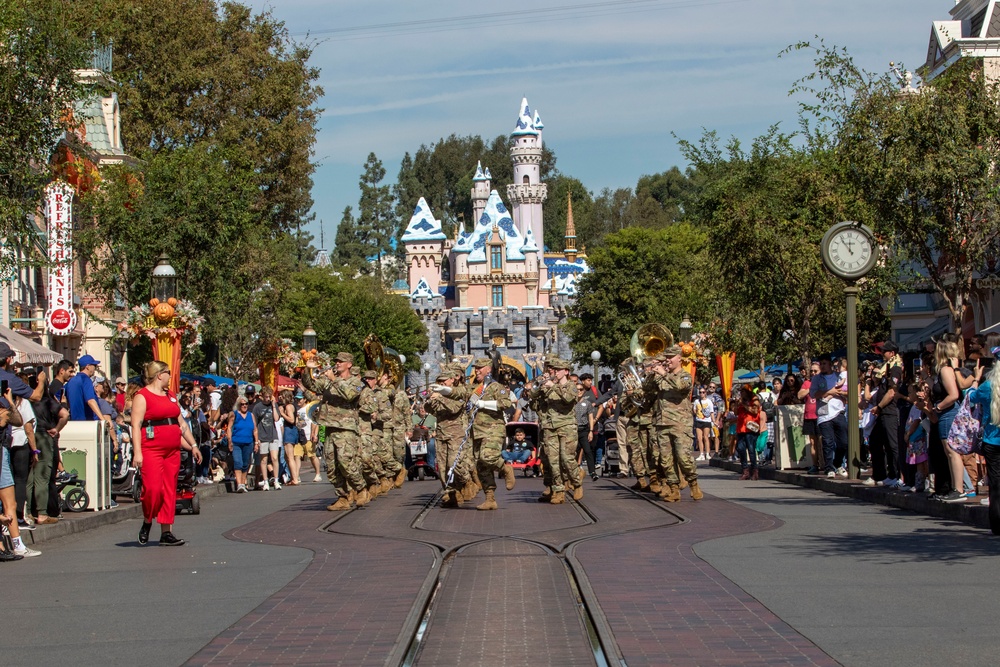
[758, 573]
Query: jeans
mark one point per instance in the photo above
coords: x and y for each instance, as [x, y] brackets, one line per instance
[884, 446]
[242, 455]
[834, 434]
[20, 465]
[586, 446]
[522, 456]
[992, 455]
[746, 445]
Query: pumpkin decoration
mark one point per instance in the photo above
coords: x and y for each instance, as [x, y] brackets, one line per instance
[153, 303]
[172, 301]
[163, 312]
[687, 349]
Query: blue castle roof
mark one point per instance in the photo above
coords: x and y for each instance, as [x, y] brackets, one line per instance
[423, 226]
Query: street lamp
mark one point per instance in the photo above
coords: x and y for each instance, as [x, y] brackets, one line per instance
[309, 338]
[595, 356]
[212, 367]
[685, 329]
[164, 279]
[427, 375]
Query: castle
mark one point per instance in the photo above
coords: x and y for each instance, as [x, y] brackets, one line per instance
[495, 284]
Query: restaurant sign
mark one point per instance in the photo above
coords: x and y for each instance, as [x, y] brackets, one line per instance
[60, 318]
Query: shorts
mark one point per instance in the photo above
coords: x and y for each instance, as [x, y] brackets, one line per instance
[242, 455]
[306, 449]
[267, 446]
[290, 435]
[6, 476]
[703, 425]
[809, 427]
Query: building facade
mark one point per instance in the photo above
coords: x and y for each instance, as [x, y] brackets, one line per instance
[494, 285]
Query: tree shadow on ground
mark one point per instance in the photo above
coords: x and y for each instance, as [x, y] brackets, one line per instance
[922, 545]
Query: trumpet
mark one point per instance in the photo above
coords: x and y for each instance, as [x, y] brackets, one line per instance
[631, 380]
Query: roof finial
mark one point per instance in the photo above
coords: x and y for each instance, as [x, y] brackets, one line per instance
[570, 230]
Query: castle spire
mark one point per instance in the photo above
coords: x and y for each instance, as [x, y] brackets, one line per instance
[570, 230]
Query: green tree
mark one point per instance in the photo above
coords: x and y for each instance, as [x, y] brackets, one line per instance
[344, 311]
[348, 250]
[766, 210]
[554, 212]
[639, 276]
[37, 56]
[612, 212]
[376, 224]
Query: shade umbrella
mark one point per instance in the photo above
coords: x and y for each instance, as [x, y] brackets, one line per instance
[27, 351]
[218, 379]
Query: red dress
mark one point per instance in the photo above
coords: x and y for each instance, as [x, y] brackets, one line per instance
[161, 458]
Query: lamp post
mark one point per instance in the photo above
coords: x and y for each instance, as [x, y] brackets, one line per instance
[685, 329]
[309, 338]
[164, 279]
[595, 356]
[212, 367]
[427, 375]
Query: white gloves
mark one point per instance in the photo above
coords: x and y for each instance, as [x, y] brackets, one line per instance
[441, 389]
[487, 405]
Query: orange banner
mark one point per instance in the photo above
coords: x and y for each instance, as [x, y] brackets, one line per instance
[726, 363]
[269, 374]
[167, 349]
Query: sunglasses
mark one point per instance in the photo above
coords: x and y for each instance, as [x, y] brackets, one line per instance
[119, 384]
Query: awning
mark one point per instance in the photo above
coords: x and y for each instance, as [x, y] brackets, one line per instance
[991, 329]
[912, 342]
[28, 351]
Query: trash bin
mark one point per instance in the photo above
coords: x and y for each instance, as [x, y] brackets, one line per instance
[87, 452]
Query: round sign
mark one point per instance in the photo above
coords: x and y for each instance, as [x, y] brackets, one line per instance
[61, 321]
[849, 250]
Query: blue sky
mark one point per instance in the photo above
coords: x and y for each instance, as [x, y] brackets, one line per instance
[612, 80]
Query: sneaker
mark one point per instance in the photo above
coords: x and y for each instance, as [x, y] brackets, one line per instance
[831, 474]
[984, 501]
[277, 485]
[264, 486]
[25, 552]
[842, 472]
[113, 504]
[25, 525]
[952, 496]
[890, 483]
[969, 494]
[871, 482]
[701, 457]
[904, 488]
[813, 470]
[242, 488]
[319, 478]
[8, 556]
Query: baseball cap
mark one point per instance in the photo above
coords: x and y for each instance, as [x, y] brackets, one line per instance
[5, 351]
[87, 360]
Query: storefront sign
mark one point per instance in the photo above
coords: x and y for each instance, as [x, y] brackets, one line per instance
[60, 316]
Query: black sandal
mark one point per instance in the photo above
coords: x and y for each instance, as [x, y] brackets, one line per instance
[144, 532]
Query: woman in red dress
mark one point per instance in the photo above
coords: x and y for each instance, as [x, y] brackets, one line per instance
[157, 451]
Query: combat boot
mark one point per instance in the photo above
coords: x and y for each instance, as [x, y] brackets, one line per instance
[400, 477]
[508, 475]
[655, 486]
[578, 493]
[640, 485]
[374, 491]
[696, 493]
[352, 497]
[339, 506]
[490, 504]
[469, 491]
[558, 498]
[683, 484]
[450, 499]
[362, 498]
[546, 495]
[386, 485]
[670, 493]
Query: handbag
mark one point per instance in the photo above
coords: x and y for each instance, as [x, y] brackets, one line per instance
[753, 426]
[966, 434]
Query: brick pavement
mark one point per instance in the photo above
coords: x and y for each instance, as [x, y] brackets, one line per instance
[357, 602]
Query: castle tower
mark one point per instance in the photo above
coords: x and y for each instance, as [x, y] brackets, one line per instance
[570, 231]
[527, 193]
[424, 241]
[480, 192]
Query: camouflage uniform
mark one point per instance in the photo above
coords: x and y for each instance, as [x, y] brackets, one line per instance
[489, 432]
[451, 427]
[559, 438]
[640, 442]
[367, 408]
[383, 431]
[401, 424]
[672, 425]
[338, 413]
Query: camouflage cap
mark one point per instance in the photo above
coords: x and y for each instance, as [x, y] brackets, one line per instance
[456, 368]
[482, 361]
[369, 375]
[557, 363]
[355, 371]
[345, 356]
[672, 351]
[444, 375]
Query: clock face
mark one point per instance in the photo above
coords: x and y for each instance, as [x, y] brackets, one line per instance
[848, 251]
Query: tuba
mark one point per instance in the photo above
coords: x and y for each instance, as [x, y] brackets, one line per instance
[383, 360]
[649, 340]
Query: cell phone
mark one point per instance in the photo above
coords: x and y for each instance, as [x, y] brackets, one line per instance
[916, 368]
[3, 387]
[986, 362]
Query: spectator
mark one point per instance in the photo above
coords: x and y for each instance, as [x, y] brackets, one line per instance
[917, 427]
[523, 411]
[121, 386]
[809, 426]
[988, 396]
[62, 372]
[81, 396]
[289, 433]
[945, 464]
[719, 403]
[23, 455]
[50, 417]
[584, 412]
[424, 427]
[750, 421]
[242, 442]
[789, 393]
[768, 404]
[519, 449]
[103, 391]
[268, 441]
[308, 436]
[884, 439]
[831, 417]
[10, 417]
[704, 417]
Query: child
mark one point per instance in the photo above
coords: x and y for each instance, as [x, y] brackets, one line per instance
[916, 434]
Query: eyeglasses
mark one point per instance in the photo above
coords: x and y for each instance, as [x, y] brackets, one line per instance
[162, 372]
[119, 384]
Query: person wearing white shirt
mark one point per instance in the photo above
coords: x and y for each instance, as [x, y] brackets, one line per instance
[831, 416]
[704, 411]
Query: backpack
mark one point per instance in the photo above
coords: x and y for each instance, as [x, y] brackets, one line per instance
[966, 434]
[767, 405]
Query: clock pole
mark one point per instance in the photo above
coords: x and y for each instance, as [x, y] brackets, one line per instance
[853, 425]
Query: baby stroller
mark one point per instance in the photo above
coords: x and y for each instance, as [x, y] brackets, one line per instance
[125, 478]
[187, 497]
[611, 466]
[532, 467]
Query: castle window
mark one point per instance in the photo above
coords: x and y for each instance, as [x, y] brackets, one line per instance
[525, 180]
[497, 294]
[496, 257]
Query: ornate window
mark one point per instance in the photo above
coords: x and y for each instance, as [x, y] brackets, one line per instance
[497, 294]
[496, 257]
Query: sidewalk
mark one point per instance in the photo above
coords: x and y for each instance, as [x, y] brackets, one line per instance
[969, 512]
[73, 522]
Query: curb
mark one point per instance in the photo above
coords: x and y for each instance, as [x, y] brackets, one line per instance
[971, 513]
[71, 523]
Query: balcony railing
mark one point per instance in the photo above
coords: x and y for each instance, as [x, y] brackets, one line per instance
[101, 55]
